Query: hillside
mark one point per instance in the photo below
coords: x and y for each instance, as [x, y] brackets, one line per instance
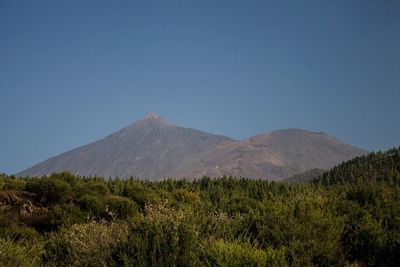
[376, 166]
[155, 149]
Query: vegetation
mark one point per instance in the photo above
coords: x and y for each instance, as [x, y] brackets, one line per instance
[304, 177]
[350, 216]
[380, 167]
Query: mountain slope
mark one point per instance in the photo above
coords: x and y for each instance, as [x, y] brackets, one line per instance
[153, 148]
[149, 148]
[274, 155]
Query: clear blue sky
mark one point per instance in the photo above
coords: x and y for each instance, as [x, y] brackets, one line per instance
[72, 72]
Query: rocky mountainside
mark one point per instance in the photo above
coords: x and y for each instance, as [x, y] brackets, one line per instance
[154, 148]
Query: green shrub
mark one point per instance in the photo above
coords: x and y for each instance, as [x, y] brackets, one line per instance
[121, 208]
[364, 237]
[141, 193]
[20, 233]
[12, 184]
[67, 215]
[185, 196]
[49, 191]
[224, 253]
[66, 177]
[19, 254]
[92, 187]
[90, 244]
[93, 205]
[160, 241]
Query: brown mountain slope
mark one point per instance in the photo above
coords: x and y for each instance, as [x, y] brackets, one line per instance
[274, 155]
[149, 148]
[153, 148]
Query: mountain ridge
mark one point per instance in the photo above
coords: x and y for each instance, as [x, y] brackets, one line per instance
[154, 148]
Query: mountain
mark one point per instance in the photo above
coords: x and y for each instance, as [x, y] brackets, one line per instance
[154, 148]
[273, 155]
[149, 148]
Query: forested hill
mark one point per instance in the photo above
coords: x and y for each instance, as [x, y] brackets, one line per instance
[376, 166]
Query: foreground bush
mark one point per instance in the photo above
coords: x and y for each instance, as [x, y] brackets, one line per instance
[19, 253]
[164, 237]
[49, 190]
[90, 244]
[223, 253]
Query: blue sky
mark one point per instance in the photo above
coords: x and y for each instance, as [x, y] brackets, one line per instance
[72, 72]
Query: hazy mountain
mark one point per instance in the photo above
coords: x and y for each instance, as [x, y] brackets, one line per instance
[154, 148]
[273, 155]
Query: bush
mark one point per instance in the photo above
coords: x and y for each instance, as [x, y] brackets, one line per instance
[12, 184]
[160, 241]
[185, 196]
[140, 193]
[93, 205]
[67, 215]
[18, 233]
[50, 191]
[121, 208]
[94, 188]
[90, 244]
[66, 177]
[364, 237]
[224, 253]
[19, 254]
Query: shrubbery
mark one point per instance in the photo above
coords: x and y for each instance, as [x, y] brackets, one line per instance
[65, 220]
[89, 244]
[49, 190]
[224, 253]
[20, 254]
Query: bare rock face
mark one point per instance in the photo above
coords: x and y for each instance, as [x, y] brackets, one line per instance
[154, 148]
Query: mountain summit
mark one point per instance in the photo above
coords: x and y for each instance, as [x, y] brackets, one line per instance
[152, 116]
[154, 148]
